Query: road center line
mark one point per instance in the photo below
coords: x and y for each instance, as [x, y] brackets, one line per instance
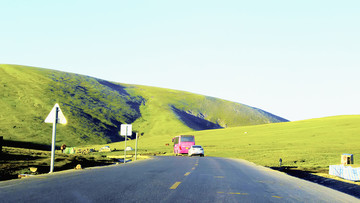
[173, 187]
[233, 193]
[237, 193]
[188, 173]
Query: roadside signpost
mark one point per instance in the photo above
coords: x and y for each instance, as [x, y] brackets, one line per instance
[126, 131]
[55, 116]
[136, 144]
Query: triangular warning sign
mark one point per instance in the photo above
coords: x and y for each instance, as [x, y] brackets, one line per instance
[51, 117]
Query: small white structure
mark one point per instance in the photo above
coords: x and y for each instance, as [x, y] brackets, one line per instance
[129, 149]
[105, 149]
[346, 172]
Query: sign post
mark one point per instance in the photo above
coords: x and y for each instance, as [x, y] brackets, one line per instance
[55, 116]
[125, 130]
[136, 144]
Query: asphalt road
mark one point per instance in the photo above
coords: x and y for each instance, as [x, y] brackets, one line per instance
[170, 179]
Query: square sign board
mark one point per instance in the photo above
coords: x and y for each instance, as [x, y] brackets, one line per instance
[126, 130]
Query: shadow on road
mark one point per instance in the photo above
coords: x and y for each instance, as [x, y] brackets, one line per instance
[348, 188]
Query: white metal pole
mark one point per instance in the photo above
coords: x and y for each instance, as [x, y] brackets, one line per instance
[53, 141]
[136, 143]
[125, 144]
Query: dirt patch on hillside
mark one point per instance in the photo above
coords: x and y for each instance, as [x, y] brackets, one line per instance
[194, 122]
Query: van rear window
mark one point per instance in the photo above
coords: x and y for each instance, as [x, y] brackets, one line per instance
[187, 139]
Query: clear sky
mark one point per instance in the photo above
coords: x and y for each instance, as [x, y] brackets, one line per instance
[298, 59]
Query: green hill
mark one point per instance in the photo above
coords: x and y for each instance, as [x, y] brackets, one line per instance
[95, 108]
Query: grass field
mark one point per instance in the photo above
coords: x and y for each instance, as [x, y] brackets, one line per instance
[309, 145]
[15, 161]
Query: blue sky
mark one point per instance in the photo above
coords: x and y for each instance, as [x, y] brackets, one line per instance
[295, 59]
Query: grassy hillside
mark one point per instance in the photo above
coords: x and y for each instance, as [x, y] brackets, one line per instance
[95, 108]
[170, 112]
[93, 111]
[310, 144]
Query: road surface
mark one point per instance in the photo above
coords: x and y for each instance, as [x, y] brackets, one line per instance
[170, 179]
